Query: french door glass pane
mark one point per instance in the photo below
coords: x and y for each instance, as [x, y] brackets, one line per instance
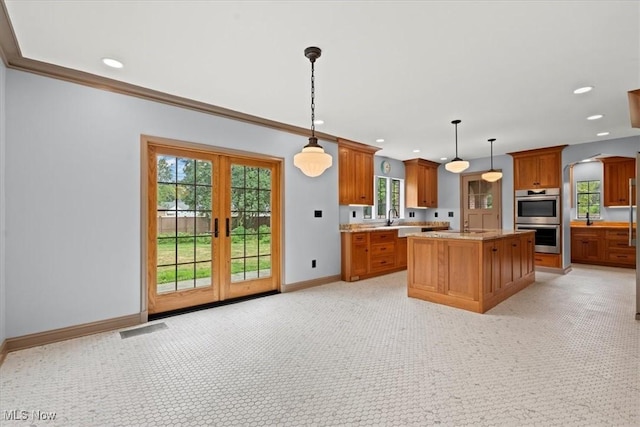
[184, 247]
[250, 222]
[480, 195]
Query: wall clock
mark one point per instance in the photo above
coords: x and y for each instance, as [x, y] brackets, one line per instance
[385, 166]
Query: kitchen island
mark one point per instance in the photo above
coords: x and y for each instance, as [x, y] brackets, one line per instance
[473, 270]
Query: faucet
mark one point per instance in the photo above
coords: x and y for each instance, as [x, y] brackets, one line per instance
[589, 222]
[389, 220]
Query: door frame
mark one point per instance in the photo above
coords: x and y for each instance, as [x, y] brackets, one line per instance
[462, 201]
[278, 182]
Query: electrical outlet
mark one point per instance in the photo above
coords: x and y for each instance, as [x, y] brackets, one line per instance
[353, 214]
[313, 263]
[450, 214]
[317, 214]
[435, 214]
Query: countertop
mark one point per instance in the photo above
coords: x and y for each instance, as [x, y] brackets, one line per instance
[599, 224]
[359, 228]
[469, 235]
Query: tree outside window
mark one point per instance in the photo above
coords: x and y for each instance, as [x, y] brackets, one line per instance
[588, 197]
[389, 194]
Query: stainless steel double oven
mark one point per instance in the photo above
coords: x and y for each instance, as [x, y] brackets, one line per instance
[539, 210]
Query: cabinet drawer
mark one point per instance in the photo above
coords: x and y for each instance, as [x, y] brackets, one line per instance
[359, 238]
[622, 234]
[619, 244]
[622, 257]
[547, 260]
[383, 262]
[580, 233]
[383, 236]
[382, 249]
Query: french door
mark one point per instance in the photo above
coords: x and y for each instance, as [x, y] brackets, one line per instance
[213, 225]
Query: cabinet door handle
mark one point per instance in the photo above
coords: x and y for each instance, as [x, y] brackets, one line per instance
[494, 249]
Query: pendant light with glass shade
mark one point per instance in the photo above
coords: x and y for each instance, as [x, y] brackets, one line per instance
[493, 175]
[312, 160]
[456, 165]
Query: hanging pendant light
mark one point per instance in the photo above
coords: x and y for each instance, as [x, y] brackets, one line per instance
[493, 175]
[456, 165]
[312, 160]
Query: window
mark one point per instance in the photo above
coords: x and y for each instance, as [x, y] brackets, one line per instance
[588, 197]
[389, 194]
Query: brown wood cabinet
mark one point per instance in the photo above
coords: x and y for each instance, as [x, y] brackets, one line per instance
[540, 168]
[401, 252]
[372, 253]
[355, 172]
[547, 260]
[470, 274]
[616, 174]
[421, 183]
[587, 244]
[602, 246]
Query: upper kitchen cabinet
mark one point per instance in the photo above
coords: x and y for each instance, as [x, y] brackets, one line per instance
[355, 173]
[617, 172]
[539, 168]
[421, 183]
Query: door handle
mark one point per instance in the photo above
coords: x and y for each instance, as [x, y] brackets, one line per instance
[215, 227]
[227, 226]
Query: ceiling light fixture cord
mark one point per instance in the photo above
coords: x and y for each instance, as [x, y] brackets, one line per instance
[313, 98]
[491, 141]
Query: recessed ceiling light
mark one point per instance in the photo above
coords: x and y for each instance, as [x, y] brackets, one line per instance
[443, 158]
[595, 117]
[603, 134]
[416, 151]
[318, 122]
[584, 89]
[380, 140]
[113, 63]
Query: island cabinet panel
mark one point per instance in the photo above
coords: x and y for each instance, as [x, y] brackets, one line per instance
[461, 280]
[528, 254]
[492, 267]
[467, 271]
[424, 258]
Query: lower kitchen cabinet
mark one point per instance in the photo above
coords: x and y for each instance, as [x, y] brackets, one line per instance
[600, 245]
[373, 253]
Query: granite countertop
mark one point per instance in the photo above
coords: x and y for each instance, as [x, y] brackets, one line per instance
[355, 228]
[469, 235]
[599, 224]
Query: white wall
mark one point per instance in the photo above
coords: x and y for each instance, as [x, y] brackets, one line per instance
[73, 199]
[3, 299]
[449, 191]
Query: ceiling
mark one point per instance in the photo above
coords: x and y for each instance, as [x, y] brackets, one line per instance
[398, 70]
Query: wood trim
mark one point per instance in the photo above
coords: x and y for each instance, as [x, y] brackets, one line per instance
[62, 334]
[357, 146]
[298, 286]
[422, 162]
[3, 351]
[634, 107]
[538, 151]
[12, 57]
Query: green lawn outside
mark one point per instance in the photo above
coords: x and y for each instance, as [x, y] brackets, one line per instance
[243, 249]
